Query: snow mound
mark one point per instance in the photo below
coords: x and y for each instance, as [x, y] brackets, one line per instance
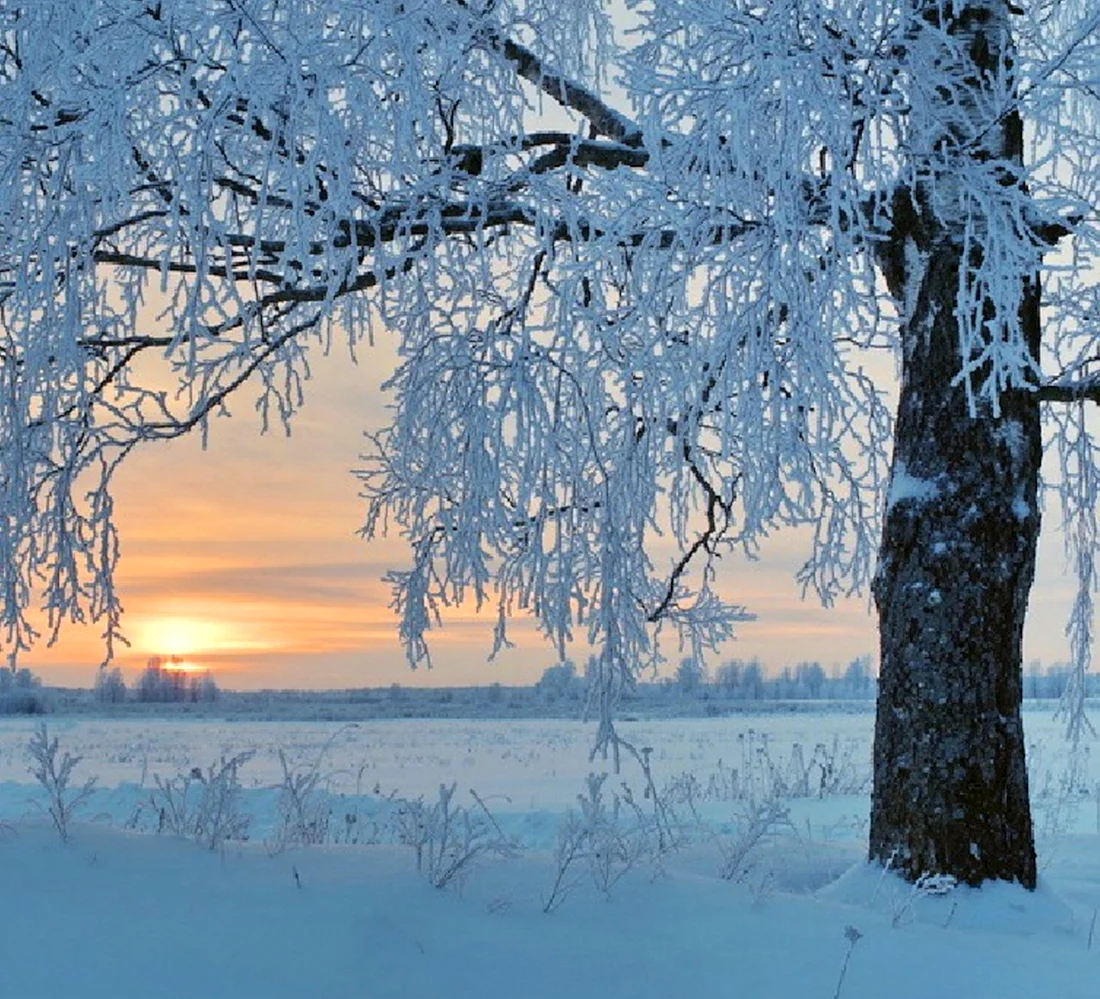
[996, 907]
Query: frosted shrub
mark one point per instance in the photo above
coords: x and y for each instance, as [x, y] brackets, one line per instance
[754, 819]
[448, 838]
[611, 851]
[570, 848]
[220, 817]
[754, 822]
[171, 800]
[304, 805]
[54, 775]
[205, 807]
[597, 837]
[834, 768]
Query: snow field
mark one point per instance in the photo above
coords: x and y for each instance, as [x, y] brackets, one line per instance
[115, 913]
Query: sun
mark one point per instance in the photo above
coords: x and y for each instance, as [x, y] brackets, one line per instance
[180, 640]
[174, 664]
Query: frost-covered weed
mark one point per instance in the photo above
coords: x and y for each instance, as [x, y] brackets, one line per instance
[305, 805]
[902, 897]
[611, 848]
[569, 849]
[752, 824]
[220, 817]
[604, 836]
[853, 936]
[172, 802]
[833, 768]
[760, 812]
[206, 806]
[449, 839]
[54, 775]
[1060, 783]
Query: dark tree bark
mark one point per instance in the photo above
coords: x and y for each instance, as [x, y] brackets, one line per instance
[957, 559]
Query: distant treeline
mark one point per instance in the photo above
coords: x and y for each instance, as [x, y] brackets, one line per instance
[749, 680]
[734, 680]
[1050, 682]
[732, 687]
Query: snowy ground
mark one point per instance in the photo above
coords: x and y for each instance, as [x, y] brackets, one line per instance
[778, 803]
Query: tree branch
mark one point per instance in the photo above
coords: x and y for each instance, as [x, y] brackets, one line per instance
[606, 119]
[1087, 389]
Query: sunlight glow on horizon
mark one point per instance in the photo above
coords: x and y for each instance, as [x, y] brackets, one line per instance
[175, 637]
[173, 665]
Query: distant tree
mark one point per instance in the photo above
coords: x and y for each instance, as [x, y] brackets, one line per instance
[158, 684]
[204, 687]
[560, 682]
[810, 679]
[857, 680]
[21, 693]
[161, 682]
[728, 678]
[1033, 676]
[110, 687]
[1056, 679]
[752, 680]
[691, 675]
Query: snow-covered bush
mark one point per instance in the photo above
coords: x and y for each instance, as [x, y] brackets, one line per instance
[21, 693]
[752, 824]
[174, 804]
[54, 775]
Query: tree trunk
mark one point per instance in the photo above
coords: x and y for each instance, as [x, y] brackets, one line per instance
[957, 560]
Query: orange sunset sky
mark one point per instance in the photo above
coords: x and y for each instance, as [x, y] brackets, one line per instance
[244, 559]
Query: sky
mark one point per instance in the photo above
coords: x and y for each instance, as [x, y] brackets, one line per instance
[244, 559]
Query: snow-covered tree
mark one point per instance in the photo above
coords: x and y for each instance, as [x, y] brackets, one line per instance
[560, 682]
[639, 281]
[691, 676]
[110, 687]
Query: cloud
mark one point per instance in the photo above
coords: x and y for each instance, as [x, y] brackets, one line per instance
[329, 583]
